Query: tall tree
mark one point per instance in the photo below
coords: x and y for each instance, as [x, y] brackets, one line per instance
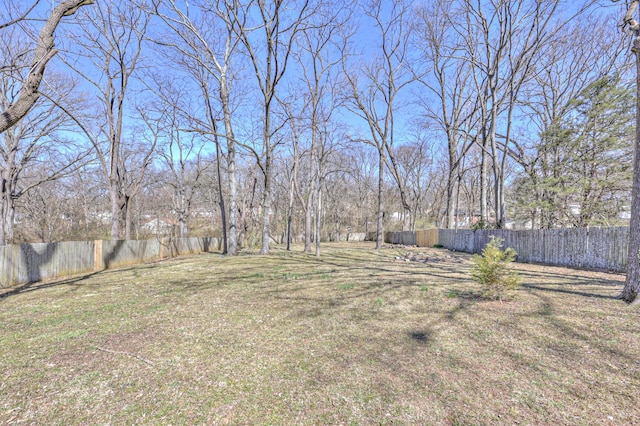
[562, 74]
[450, 100]
[318, 57]
[504, 39]
[584, 167]
[182, 155]
[268, 30]
[374, 89]
[206, 43]
[111, 44]
[632, 284]
[414, 161]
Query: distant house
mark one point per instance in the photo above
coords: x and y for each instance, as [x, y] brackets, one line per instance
[159, 226]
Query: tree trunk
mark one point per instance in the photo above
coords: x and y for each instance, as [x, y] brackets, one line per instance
[223, 212]
[484, 218]
[232, 248]
[307, 223]
[451, 196]
[182, 226]
[115, 209]
[266, 204]
[497, 173]
[380, 228]
[318, 220]
[314, 183]
[7, 212]
[632, 284]
[127, 217]
[290, 213]
[456, 202]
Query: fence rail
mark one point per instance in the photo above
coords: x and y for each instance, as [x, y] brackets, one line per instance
[32, 262]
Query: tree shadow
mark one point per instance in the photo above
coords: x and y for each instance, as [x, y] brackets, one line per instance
[36, 261]
[565, 291]
[39, 285]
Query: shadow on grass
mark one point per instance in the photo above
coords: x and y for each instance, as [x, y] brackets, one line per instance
[566, 291]
[25, 288]
[571, 331]
[74, 282]
[421, 336]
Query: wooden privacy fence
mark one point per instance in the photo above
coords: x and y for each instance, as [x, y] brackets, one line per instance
[407, 238]
[592, 248]
[28, 263]
[426, 238]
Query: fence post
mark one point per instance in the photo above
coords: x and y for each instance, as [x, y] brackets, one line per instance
[98, 260]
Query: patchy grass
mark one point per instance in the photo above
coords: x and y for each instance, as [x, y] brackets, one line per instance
[351, 338]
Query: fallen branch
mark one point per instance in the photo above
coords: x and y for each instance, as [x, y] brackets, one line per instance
[129, 354]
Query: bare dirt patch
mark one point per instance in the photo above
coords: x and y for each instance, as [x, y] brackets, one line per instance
[354, 337]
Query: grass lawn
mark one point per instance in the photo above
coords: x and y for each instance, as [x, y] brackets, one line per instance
[355, 337]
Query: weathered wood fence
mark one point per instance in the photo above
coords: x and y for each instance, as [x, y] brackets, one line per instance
[591, 248]
[28, 263]
[407, 238]
[425, 238]
[594, 248]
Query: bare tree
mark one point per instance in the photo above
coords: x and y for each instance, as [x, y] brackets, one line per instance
[414, 161]
[44, 51]
[268, 31]
[197, 41]
[111, 41]
[14, 14]
[449, 81]
[504, 40]
[566, 68]
[318, 57]
[295, 121]
[374, 89]
[37, 138]
[182, 154]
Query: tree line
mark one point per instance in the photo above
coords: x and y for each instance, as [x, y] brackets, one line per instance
[307, 120]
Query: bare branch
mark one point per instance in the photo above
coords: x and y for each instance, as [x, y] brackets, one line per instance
[44, 52]
[21, 17]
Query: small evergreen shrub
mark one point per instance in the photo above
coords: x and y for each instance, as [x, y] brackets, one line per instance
[481, 224]
[492, 269]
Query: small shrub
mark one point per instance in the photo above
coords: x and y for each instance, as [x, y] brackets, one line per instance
[481, 224]
[493, 271]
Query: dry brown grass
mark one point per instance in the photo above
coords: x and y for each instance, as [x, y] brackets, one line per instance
[355, 337]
